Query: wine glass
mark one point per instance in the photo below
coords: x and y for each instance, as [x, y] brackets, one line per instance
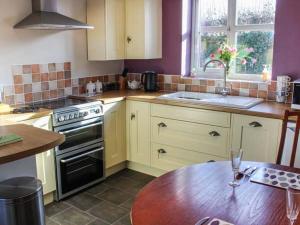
[292, 204]
[236, 160]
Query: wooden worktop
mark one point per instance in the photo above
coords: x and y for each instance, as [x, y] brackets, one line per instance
[35, 141]
[266, 109]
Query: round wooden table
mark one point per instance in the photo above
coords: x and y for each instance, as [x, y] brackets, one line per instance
[184, 196]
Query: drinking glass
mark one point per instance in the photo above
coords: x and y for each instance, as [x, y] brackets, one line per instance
[236, 159]
[292, 204]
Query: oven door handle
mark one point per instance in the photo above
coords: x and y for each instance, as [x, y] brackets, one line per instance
[79, 156]
[80, 128]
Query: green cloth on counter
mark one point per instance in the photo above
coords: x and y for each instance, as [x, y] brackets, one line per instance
[9, 139]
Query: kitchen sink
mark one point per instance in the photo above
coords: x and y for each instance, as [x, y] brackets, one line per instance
[213, 99]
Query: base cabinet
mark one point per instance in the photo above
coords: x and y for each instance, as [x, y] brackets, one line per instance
[258, 137]
[45, 165]
[138, 132]
[114, 133]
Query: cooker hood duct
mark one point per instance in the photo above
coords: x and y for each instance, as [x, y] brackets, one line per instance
[44, 16]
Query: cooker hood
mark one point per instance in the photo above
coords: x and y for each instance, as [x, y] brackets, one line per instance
[44, 16]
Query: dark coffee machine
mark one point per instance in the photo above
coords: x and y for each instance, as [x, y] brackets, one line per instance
[149, 80]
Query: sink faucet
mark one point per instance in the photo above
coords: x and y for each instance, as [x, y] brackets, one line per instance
[224, 90]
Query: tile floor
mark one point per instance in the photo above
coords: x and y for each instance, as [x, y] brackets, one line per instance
[106, 203]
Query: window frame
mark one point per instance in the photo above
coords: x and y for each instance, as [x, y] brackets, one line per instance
[230, 30]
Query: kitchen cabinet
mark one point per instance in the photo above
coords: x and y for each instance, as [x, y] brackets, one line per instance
[258, 137]
[107, 40]
[138, 132]
[143, 29]
[45, 164]
[115, 133]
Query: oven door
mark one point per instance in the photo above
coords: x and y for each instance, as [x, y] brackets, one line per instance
[79, 170]
[79, 135]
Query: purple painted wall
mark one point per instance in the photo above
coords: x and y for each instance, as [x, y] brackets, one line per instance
[287, 39]
[171, 60]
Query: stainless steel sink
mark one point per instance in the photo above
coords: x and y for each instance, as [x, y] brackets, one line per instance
[213, 99]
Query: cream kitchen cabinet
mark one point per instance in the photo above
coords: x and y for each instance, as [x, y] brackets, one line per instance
[138, 132]
[115, 133]
[258, 137]
[107, 40]
[45, 163]
[143, 29]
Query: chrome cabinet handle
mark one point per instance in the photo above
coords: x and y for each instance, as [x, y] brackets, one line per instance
[132, 116]
[129, 39]
[255, 124]
[162, 124]
[161, 151]
[214, 134]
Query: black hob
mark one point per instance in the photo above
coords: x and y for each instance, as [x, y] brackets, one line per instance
[60, 103]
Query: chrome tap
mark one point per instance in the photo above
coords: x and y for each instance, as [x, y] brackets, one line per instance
[224, 90]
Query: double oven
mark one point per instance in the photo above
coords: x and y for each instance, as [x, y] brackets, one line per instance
[80, 159]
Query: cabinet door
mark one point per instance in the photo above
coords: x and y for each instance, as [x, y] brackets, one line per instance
[135, 29]
[115, 29]
[114, 133]
[258, 137]
[45, 161]
[106, 41]
[138, 132]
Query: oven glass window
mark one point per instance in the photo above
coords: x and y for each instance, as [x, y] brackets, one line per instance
[79, 170]
[81, 135]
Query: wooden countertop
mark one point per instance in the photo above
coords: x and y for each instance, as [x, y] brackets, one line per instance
[35, 141]
[266, 109]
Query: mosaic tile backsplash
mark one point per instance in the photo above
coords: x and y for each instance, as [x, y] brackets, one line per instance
[265, 90]
[40, 82]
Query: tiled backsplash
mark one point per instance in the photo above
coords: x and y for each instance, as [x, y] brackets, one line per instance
[265, 90]
[40, 82]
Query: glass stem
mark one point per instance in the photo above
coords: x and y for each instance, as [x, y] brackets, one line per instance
[292, 222]
[234, 177]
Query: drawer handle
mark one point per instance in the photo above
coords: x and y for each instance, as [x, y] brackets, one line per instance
[255, 124]
[129, 39]
[161, 151]
[162, 124]
[214, 134]
[132, 116]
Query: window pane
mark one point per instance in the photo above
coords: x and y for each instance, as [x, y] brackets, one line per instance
[210, 42]
[259, 44]
[255, 12]
[213, 12]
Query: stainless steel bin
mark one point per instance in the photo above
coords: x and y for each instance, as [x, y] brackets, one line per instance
[21, 202]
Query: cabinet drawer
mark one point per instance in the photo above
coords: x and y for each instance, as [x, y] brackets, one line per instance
[191, 115]
[200, 138]
[170, 158]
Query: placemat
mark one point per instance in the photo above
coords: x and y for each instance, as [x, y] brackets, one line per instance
[276, 178]
[9, 139]
[219, 222]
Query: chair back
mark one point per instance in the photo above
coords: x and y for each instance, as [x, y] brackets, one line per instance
[289, 115]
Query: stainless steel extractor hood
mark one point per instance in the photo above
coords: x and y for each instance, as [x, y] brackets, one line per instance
[44, 16]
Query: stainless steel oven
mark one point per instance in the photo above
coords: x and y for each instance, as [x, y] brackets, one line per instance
[80, 134]
[80, 159]
[80, 169]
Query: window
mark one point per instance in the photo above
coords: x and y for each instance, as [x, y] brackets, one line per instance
[242, 23]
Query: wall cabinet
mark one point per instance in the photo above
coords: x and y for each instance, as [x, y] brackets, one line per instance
[45, 165]
[107, 40]
[258, 137]
[124, 29]
[143, 29]
[138, 132]
[115, 133]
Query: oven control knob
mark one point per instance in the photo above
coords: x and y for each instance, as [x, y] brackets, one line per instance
[71, 116]
[97, 111]
[60, 119]
[65, 117]
[85, 113]
[75, 115]
[80, 114]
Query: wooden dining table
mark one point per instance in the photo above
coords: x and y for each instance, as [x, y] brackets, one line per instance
[186, 195]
